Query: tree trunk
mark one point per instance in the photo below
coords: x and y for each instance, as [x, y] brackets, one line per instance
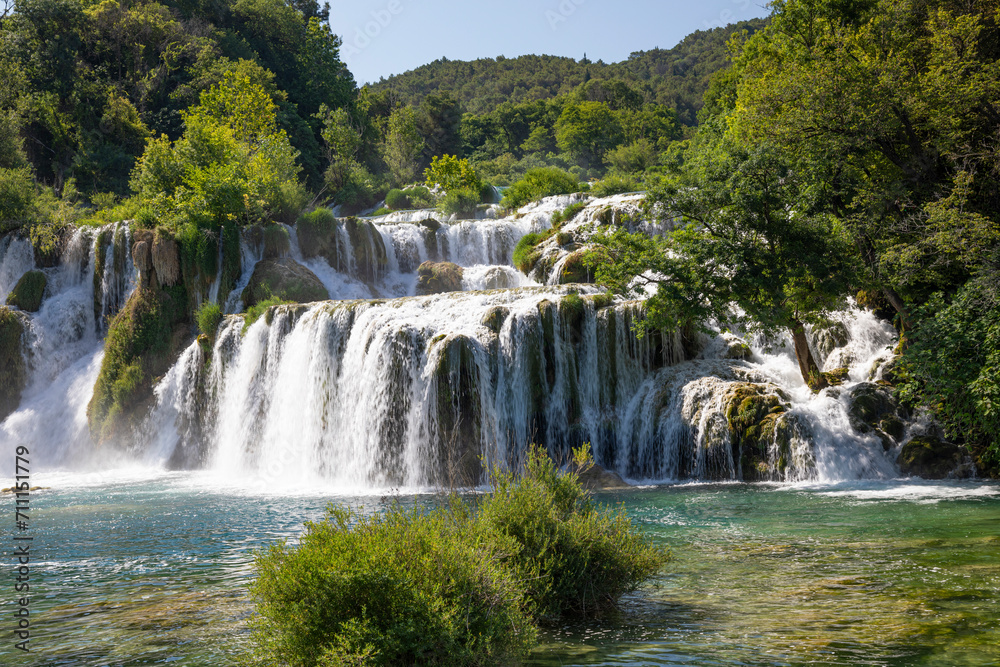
[807, 364]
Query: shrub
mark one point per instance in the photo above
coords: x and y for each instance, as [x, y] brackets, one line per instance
[17, 196]
[457, 585]
[451, 173]
[400, 588]
[576, 557]
[567, 213]
[615, 185]
[419, 196]
[524, 252]
[461, 202]
[254, 312]
[396, 200]
[209, 316]
[538, 183]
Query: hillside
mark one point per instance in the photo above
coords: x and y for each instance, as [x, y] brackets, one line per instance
[676, 77]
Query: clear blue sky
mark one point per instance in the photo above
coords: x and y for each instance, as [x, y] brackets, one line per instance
[385, 37]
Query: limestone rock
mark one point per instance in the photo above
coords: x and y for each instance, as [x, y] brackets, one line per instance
[166, 260]
[285, 279]
[438, 277]
[932, 458]
[13, 374]
[27, 293]
[597, 478]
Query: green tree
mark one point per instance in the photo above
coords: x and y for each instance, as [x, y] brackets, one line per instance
[586, 131]
[403, 145]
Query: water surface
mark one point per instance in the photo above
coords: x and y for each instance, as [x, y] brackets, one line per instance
[151, 568]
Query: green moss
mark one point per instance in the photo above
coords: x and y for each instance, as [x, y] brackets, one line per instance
[13, 374]
[276, 241]
[232, 261]
[575, 270]
[370, 258]
[602, 300]
[264, 307]
[438, 277]
[494, 318]
[27, 293]
[199, 252]
[459, 415]
[929, 457]
[140, 346]
[837, 376]
[753, 415]
[525, 255]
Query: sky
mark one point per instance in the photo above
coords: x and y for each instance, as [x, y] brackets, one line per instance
[386, 37]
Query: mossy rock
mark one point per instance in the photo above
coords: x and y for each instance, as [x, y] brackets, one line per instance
[142, 342]
[754, 415]
[27, 293]
[596, 478]
[931, 458]
[459, 418]
[869, 404]
[892, 426]
[575, 270]
[736, 348]
[319, 236]
[602, 300]
[370, 258]
[875, 301]
[284, 279]
[438, 277]
[430, 223]
[494, 318]
[13, 372]
[837, 376]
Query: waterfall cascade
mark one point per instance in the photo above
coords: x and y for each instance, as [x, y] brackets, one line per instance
[378, 387]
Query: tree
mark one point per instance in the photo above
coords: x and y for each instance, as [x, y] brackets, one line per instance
[403, 145]
[451, 173]
[586, 131]
[752, 238]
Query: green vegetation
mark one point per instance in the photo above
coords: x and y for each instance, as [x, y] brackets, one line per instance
[253, 313]
[27, 293]
[677, 77]
[851, 148]
[456, 585]
[538, 183]
[139, 347]
[209, 316]
[13, 374]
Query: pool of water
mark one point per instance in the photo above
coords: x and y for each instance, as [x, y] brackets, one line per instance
[151, 568]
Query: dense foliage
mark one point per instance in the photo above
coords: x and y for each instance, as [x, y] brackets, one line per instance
[676, 78]
[851, 147]
[456, 585]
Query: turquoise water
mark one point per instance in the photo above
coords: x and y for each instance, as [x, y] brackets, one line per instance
[152, 570]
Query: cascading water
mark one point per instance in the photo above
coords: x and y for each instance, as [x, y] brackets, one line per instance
[414, 391]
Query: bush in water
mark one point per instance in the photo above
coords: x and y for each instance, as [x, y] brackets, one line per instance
[458, 585]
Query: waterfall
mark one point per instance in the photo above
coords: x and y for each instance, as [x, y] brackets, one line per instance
[380, 389]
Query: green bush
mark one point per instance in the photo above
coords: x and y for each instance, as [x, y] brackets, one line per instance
[461, 202]
[209, 317]
[567, 213]
[538, 183]
[450, 172]
[419, 196]
[524, 253]
[253, 313]
[17, 196]
[396, 200]
[28, 292]
[576, 557]
[615, 185]
[457, 585]
[381, 211]
[400, 588]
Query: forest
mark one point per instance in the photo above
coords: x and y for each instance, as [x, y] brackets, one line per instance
[839, 149]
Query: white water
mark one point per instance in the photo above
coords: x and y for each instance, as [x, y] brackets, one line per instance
[353, 393]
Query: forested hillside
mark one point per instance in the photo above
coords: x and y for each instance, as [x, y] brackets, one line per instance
[676, 77]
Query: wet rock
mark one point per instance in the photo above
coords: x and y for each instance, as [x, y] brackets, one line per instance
[735, 347]
[825, 339]
[284, 279]
[870, 403]
[596, 478]
[27, 293]
[498, 278]
[836, 377]
[438, 277]
[494, 318]
[166, 259]
[574, 270]
[13, 374]
[754, 414]
[932, 458]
